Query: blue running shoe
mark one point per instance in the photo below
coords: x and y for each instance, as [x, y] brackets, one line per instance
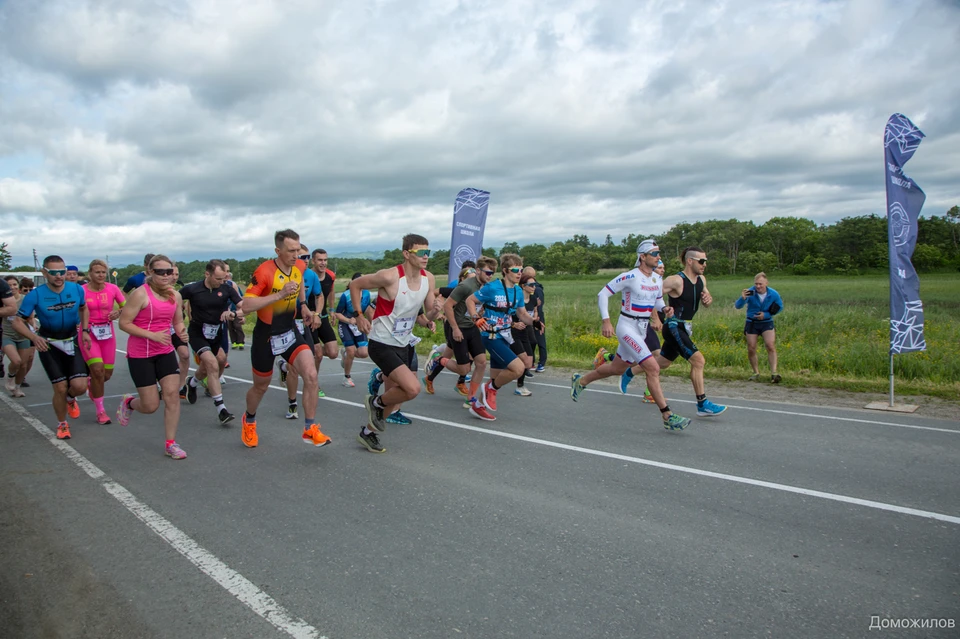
[373, 384]
[675, 422]
[708, 408]
[575, 386]
[399, 418]
[624, 382]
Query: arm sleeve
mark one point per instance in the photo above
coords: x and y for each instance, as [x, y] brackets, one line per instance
[740, 301]
[659, 304]
[612, 287]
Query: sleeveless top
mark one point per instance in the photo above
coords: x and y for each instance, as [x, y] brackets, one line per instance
[686, 306]
[157, 317]
[100, 303]
[393, 320]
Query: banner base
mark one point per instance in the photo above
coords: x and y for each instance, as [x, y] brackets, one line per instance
[896, 408]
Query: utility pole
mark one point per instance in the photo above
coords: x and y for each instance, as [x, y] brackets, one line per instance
[36, 264]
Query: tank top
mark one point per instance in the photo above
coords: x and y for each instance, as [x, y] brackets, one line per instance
[157, 317]
[393, 320]
[100, 303]
[686, 306]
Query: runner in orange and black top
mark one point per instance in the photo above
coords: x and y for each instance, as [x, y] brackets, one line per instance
[324, 337]
[275, 293]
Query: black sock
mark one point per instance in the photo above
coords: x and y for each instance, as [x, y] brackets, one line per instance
[436, 372]
[520, 380]
[250, 418]
[462, 379]
[493, 384]
[700, 398]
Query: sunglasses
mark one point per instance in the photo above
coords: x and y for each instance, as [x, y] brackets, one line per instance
[654, 253]
[56, 271]
[530, 284]
[163, 272]
[421, 252]
[304, 257]
[515, 269]
[488, 273]
[701, 261]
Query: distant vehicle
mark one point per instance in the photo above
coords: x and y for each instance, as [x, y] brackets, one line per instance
[36, 276]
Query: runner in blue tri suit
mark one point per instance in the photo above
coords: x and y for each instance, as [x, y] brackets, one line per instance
[354, 342]
[61, 307]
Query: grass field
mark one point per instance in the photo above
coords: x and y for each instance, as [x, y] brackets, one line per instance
[832, 333]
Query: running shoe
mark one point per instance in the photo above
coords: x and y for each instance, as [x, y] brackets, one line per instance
[240, 346]
[624, 382]
[73, 409]
[775, 379]
[466, 404]
[370, 442]
[708, 408]
[11, 384]
[675, 422]
[223, 382]
[479, 410]
[467, 378]
[184, 391]
[528, 372]
[225, 416]
[248, 432]
[63, 430]
[173, 450]
[428, 385]
[191, 393]
[320, 393]
[488, 395]
[282, 365]
[600, 358]
[24, 384]
[348, 382]
[399, 418]
[522, 391]
[647, 397]
[124, 411]
[292, 412]
[17, 392]
[540, 368]
[434, 359]
[234, 345]
[102, 418]
[313, 436]
[462, 389]
[575, 387]
[373, 384]
[754, 377]
[375, 415]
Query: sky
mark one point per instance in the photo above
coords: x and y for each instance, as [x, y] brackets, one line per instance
[198, 128]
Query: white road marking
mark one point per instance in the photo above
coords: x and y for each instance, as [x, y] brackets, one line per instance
[656, 464]
[232, 581]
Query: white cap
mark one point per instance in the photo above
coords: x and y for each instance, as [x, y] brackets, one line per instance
[647, 245]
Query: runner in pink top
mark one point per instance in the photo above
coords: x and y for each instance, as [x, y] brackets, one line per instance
[148, 317]
[101, 297]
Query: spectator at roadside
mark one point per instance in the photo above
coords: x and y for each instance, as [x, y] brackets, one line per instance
[540, 347]
[762, 304]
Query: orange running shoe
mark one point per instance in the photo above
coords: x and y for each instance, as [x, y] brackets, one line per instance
[248, 432]
[600, 358]
[63, 430]
[462, 389]
[313, 436]
[428, 385]
[73, 409]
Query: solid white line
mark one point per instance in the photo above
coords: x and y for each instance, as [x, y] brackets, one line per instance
[683, 469]
[232, 581]
[769, 410]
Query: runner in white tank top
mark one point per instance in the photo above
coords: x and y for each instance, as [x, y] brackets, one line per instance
[402, 291]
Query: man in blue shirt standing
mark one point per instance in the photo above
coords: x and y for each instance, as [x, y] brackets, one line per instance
[60, 306]
[762, 304]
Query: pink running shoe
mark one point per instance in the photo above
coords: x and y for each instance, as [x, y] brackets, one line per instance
[124, 411]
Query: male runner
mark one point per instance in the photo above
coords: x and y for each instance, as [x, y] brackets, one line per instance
[401, 293]
[73, 273]
[641, 297]
[61, 307]
[210, 301]
[135, 281]
[324, 337]
[275, 292]
[354, 342]
[685, 292]
[501, 299]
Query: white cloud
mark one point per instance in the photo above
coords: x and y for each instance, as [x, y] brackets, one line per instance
[359, 122]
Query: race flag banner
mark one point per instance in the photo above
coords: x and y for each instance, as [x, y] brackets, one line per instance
[904, 201]
[469, 222]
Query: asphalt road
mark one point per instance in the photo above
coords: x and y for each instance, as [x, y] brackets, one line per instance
[560, 519]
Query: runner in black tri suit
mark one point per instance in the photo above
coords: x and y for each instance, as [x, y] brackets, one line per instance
[686, 292]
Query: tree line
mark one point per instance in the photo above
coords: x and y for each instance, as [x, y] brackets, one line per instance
[787, 244]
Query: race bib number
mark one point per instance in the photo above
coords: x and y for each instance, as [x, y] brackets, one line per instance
[415, 340]
[642, 325]
[63, 345]
[299, 323]
[173, 331]
[210, 331]
[403, 326]
[101, 332]
[356, 331]
[507, 336]
[279, 344]
[689, 327]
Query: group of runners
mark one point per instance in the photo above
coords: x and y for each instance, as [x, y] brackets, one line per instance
[492, 319]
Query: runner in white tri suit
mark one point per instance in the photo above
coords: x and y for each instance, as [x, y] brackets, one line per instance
[641, 296]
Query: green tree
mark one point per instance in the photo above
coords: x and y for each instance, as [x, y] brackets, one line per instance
[510, 247]
[927, 258]
[532, 255]
[846, 242]
[790, 238]
[5, 257]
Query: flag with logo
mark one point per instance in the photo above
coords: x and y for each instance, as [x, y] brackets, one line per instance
[904, 201]
[469, 222]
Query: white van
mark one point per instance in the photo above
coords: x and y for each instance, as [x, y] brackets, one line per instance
[36, 276]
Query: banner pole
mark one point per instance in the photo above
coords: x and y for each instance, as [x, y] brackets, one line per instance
[891, 380]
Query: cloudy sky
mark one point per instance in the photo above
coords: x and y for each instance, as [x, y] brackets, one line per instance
[199, 127]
